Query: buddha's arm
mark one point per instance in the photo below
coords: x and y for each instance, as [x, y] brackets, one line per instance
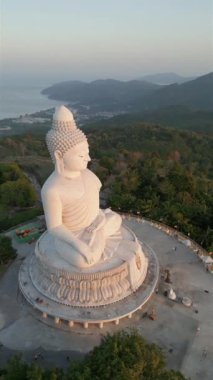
[53, 215]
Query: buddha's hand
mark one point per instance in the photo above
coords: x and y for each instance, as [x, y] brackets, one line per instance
[84, 250]
[92, 257]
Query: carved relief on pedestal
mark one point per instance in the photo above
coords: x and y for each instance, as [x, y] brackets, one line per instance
[81, 289]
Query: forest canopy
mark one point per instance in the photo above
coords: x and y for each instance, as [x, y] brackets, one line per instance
[122, 356]
[160, 173]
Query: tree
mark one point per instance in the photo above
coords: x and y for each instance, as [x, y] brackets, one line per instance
[17, 193]
[7, 252]
[16, 369]
[35, 373]
[123, 356]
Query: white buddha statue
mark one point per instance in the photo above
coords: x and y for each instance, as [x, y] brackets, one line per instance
[70, 196]
[86, 257]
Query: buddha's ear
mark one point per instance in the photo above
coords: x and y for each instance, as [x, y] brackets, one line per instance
[59, 163]
[57, 155]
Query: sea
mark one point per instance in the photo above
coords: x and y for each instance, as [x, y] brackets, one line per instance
[21, 100]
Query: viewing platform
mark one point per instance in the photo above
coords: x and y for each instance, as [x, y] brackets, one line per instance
[184, 333]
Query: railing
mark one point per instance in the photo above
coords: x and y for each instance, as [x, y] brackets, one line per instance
[184, 239]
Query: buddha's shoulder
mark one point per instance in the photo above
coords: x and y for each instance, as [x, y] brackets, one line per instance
[88, 175]
[51, 185]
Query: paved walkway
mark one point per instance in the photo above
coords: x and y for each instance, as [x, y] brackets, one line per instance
[185, 334]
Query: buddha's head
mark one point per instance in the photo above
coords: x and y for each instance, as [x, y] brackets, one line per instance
[66, 143]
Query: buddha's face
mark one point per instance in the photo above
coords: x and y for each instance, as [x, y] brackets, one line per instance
[77, 157]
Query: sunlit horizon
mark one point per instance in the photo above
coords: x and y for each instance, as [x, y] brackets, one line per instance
[49, 42]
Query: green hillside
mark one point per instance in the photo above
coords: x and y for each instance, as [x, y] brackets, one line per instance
[160, 173]
[180, 117]
[18, 198]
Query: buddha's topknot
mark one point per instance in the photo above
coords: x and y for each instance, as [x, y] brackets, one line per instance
[64, 133]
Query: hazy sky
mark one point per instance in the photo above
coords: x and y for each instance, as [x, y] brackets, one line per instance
[46, 41]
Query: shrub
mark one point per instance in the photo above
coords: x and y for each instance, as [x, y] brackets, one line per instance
[7, 252]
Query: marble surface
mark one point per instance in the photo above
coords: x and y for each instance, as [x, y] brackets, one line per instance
[86, 258]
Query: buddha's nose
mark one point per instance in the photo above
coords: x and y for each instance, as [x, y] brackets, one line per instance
[88, 158]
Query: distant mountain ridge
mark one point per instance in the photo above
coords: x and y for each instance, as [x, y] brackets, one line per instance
[135, 95]
[166, 78]
[196, 94]
[108, 94]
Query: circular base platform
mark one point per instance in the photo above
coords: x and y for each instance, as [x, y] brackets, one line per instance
[52, 312]
[119, 272]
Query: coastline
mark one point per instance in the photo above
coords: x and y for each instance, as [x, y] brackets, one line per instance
[16, 101]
